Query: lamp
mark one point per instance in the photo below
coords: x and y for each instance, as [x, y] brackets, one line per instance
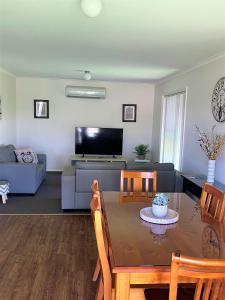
[91, 8]
[87, 75]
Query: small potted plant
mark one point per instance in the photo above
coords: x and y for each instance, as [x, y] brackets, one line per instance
[160, 205]
[141, 151]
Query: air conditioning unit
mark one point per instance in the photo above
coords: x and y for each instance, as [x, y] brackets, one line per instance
[85, 92]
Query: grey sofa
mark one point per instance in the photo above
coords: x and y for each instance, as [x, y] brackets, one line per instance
[23, 177]
[76, 180]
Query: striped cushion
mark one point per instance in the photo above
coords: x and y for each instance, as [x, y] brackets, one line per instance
[4, 187]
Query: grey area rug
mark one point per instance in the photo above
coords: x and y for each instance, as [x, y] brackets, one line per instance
[47, 200]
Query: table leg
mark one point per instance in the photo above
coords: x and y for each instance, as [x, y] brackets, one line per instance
[122, 286]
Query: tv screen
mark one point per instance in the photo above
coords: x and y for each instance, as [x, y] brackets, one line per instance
[98, 141]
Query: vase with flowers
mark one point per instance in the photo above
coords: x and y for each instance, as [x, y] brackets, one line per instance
[212, 145]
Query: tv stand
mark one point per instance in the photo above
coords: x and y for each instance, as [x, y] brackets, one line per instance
[75, 158]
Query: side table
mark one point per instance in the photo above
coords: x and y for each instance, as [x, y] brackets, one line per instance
[4, 190]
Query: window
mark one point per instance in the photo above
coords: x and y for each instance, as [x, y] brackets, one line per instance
[172, 129]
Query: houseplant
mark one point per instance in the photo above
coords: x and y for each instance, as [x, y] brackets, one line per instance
[141, 151]
[160, 205]
[212, 145]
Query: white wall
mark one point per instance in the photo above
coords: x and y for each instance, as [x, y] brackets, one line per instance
[8, 96]
[55, 136]
[200, 83]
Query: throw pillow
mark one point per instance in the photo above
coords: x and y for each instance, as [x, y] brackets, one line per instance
[26, 155]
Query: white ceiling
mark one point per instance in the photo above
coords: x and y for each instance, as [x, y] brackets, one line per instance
[141, 40]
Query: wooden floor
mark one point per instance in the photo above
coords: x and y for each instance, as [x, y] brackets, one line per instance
[47, 257]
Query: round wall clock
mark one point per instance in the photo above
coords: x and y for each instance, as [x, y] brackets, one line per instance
[218, 100]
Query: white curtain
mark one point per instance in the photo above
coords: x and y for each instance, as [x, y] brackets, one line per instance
[172, 129]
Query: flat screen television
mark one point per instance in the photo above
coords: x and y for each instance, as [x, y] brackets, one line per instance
[98, 141]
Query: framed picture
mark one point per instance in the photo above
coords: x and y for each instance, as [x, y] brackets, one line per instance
[0, 108]
[129, 112]
[41, 109]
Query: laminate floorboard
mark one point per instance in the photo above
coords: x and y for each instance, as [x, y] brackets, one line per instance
[47, 257]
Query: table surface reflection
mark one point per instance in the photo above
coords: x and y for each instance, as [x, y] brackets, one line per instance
[136, 243]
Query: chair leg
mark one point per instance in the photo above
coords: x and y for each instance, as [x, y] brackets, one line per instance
[97, 270]
[4, 197]
[100, 290]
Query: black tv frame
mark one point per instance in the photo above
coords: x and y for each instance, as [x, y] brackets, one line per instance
[101, 154]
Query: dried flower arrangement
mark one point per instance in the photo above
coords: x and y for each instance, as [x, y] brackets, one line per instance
[212, 144]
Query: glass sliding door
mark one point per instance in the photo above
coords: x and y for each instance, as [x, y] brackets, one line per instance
[172, 129]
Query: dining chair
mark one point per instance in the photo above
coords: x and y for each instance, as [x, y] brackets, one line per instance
[95, 204]
[213, 202]
[134, 186]
[209, 275]
[105, 288]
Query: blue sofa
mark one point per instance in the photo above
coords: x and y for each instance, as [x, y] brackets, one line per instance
[24, 178]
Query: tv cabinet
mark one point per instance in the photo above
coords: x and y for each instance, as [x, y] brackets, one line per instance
[75, 158]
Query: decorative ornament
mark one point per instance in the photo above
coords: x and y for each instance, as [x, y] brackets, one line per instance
[218, 100]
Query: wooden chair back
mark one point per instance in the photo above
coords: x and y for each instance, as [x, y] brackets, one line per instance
[94, 186]
[213, 202]
[135, 181]
[102, 251]
[210, 275]
[95, 201]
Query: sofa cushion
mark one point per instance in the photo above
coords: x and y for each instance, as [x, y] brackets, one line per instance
[140, 166]
[164, 166]
[4, 154]
[100, 165]
[150, 166]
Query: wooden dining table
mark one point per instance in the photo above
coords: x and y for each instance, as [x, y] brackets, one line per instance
[141, 252]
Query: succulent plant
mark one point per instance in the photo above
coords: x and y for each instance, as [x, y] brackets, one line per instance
[160, 199]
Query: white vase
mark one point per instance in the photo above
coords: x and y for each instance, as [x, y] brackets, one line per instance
[211, 171]
[159, 211]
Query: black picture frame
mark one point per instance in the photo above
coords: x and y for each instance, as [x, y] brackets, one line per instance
[129, 113]
[41, 109]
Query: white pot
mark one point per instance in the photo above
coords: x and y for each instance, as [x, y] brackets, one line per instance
[159, 211]
[211, 171]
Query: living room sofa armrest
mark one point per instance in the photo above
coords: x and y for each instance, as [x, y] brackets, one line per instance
[42, 158]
